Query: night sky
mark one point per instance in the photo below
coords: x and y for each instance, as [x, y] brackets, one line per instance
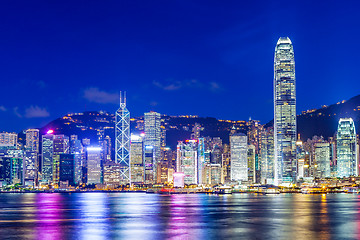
[206, 58]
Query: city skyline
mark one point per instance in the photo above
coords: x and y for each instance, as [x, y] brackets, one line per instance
[196, 67]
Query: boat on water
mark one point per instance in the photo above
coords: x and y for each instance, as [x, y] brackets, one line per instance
[150, 191]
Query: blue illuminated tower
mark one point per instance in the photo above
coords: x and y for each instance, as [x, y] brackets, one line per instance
[122, 140]
[284, 112]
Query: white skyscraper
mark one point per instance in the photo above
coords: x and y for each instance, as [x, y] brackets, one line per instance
[187, 161]
[239, 157]
[122, 140]
[284, 112]
[346, 148]
[153, 134]
[93, 157]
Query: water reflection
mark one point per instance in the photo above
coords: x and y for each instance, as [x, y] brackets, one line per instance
[94, 215]
[49, 208]
[194, 216]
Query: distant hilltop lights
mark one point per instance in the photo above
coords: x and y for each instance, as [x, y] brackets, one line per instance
[116, 152]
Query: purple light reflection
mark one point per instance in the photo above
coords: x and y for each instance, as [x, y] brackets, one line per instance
[48, 216]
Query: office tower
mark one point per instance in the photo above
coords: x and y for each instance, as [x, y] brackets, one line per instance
[226, 164]
[322, 159]
[162, 172]
[149, 159]
[11, 170]
[284, 112]
[67, 169]
[187, 161]
[8, 139]
[201, 158]
[267, 156]
[107, 148]
[300, 158]
[111, 174]
[251, 163]
[153, 134]
[122, 140]
[30, 167]
[47, 158]
[61, 146]
[212, 174]
[216, 154]
[239, 161]
[93, 158]
[32, 140]
[137, 159]
[77, 149]
[347, 148]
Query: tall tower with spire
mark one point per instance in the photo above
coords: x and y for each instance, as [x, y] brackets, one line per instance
[284, 112]
[122, 140]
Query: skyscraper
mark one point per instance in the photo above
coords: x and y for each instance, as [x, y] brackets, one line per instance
[32, 140]
[93, 157]
[187, 161]
[137, 159]
[153, 135]
[284, 112]
[347, 157]
[47, 157]
[122, 140]
[239, 161]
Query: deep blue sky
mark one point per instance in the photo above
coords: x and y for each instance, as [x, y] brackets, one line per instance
[207, 58]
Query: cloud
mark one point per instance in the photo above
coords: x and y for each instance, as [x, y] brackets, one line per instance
[3, 109]
[36, 112]
[173, 85]
[16, 112]
[93, 94]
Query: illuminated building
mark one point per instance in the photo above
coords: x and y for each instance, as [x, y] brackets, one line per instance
[187, 161]
[162, 172]
[226, 166]
[32, 140]
[239, 161]
[251, 163]
[8, 139]
[149, 159]
[61, 146]
[179, 179]
[122, 141]
[30, 167]
[153, 134]
[93, 165]
[111, 174]
[67, 169]
[284, 112]
[201, 158]
[77, 149]
[212, 174]
[137, 159]
[322, 159]
[347, 148]
[11, 170]
[47, 157]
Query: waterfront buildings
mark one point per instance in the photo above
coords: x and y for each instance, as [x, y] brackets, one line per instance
[187, 161]
[239, 161]
[267, 156]
[93, 156]
[322, 159]
[153, 135]
[347, 148]
[284, 112]
[122, 140]
[47, 158]
[137, 159]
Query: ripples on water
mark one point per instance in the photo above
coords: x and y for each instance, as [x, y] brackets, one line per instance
[142, 216]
